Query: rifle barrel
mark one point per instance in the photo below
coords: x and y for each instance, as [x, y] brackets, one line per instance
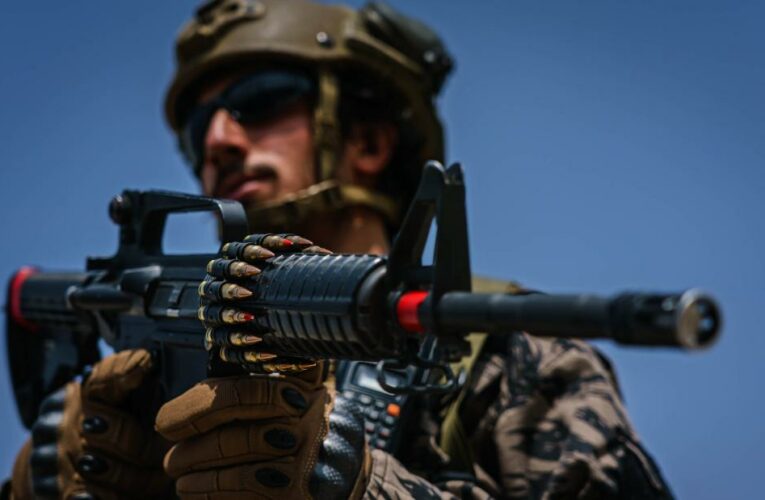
[691, 319]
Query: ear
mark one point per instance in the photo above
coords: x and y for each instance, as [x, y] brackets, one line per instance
[369, 147]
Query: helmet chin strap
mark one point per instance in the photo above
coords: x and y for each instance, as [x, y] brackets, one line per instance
[326, 125]
[297, 209]
[327, 196]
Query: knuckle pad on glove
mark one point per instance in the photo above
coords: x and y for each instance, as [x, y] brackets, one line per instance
[46, 427]
[215, 402]
[254, 437]
[46, 487]
[54, 402]
[44, 460]
[342, 453]
[82, 495]
[119, 478]
[233, 444]
[269, 481]
[85, 446]
[120, 435]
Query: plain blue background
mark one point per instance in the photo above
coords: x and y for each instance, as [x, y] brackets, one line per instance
[608, 146]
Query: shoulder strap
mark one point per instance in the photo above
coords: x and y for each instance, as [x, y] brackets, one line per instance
[454, 439]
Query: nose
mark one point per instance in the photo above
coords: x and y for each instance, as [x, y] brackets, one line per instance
[226, 145]
[226, 142]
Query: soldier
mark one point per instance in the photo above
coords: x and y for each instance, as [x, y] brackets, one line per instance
[318, 119]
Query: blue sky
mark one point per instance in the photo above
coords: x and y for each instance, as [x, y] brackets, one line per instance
[608, 146]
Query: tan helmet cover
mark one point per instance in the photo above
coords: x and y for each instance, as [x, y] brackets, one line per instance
[236, 35]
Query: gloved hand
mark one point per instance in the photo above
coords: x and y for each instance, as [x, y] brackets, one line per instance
[86, 443]
[264, 437]
[259, 436]
[233, 332]
[345, 464]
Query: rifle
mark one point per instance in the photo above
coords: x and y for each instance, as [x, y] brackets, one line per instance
[395, 310]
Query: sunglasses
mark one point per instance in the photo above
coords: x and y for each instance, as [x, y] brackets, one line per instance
[254, 99]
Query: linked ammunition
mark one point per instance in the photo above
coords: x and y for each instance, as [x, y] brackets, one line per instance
[272, 241]
[246, 251]
[257, 357]
[209, 344]
[221, 290]
[227, 268]
[225, 338]
[297, 240]
[287, 367]
[317, 249]
[223, 315]
[234, 292]
[236, 356]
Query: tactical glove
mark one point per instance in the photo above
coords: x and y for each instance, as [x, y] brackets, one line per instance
[87, 444]
[261, 437]
[258, 435]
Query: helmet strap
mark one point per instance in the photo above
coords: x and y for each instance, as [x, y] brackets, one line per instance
[325, 197]
[327, 126]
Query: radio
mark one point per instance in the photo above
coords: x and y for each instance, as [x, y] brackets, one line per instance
[385, 414]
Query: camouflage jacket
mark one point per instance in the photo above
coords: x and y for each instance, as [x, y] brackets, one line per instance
[545, 420]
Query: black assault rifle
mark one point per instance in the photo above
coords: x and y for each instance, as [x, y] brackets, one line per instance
[391, 310]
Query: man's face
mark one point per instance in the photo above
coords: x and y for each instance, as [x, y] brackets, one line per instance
[257, 161]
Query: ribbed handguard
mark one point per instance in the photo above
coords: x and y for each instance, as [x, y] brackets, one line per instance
[323, 306]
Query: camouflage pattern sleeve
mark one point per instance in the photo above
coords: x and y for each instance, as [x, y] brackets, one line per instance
[546, 420]
[391, 480]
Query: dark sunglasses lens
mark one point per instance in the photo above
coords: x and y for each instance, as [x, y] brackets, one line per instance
[261, 97]
[194, 132]
[254, 99]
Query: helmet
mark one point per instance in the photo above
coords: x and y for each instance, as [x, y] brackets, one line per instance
[339, 44]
